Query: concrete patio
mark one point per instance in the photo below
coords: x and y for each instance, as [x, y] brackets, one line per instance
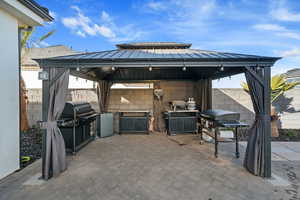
[154, 167]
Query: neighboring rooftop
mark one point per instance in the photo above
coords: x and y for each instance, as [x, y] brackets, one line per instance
[46, 52]
[293, 73]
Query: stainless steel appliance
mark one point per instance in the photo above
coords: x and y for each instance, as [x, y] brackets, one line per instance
[104, 125]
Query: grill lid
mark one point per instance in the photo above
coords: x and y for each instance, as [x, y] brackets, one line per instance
[80, 108]
[220, 115]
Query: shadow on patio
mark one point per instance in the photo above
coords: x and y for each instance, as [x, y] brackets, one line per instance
[143, 167]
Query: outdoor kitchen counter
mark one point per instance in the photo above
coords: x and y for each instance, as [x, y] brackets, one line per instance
[134, 121]
[181, 121]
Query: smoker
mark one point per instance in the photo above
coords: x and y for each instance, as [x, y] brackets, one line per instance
[226, 119]
[75, 125]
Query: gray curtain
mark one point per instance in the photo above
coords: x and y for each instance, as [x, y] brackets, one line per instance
[55, 158]
[103, 93]
[203, 89]
[254, 157]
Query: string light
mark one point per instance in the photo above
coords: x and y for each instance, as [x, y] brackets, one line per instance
[184, 68]
[150, 68]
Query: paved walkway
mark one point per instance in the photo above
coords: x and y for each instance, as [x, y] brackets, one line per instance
[284, 151]
[144, 167]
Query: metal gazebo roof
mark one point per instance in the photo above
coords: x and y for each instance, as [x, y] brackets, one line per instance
[165, 59]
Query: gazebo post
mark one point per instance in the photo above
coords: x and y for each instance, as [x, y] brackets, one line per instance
[267, 120]
[45, 106]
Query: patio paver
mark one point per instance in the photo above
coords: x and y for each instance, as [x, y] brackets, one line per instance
[144, 167]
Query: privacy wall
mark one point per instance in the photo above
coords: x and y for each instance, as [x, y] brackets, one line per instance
[234, 99]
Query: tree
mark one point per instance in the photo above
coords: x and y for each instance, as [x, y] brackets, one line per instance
[279, 85]
[27, 42]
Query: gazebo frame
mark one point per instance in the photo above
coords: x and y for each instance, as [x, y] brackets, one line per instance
[130, 70]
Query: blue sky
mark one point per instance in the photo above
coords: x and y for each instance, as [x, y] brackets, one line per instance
[262, 27]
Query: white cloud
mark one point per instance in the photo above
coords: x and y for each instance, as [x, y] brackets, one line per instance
[269, 27]
[105, 31]
[83, 26]
[278, 30]
[106, 17]
[291, 35]
[52, 14]
[283, 14]
[281, 10]
[179, 17]
[295, 52]
[156, 6]
[80, 33]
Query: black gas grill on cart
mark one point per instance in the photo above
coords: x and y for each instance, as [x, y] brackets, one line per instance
[75, 125]
[225, 119]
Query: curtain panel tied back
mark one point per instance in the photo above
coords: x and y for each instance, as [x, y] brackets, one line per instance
[103, 93]
[55, 155]
[254, 160]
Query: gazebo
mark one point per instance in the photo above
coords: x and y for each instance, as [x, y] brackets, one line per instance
[149, 62]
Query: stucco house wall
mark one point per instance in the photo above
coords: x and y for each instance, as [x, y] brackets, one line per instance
[14, 14]
[9, 102]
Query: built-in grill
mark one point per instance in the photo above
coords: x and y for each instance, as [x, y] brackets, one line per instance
[222, 118]
[75, 125]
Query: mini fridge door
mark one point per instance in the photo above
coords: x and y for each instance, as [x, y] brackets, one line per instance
[105, 125]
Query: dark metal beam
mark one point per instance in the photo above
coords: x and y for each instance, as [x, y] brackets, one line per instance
[45, 106]
[146, 64]
[267, 121]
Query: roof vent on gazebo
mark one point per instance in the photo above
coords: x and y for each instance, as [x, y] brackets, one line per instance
[154, 45]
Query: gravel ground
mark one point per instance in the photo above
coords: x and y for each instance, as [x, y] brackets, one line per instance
[31, 145]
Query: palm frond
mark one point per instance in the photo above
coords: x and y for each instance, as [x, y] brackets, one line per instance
[245, 86]
[25, 38]
[279, 85]
[46, 36]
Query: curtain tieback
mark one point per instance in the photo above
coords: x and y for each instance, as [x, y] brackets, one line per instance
[48, 124]
[262, 116]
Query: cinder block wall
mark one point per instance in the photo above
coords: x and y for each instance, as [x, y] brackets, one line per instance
[289, 108]
[234, 99]
[176, 90]
[142, 99]
[130, 99]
